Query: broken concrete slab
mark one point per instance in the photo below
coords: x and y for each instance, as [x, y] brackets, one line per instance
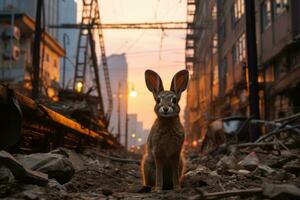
[281, 191]
[20, 172]
[57, 166]
[5, 175]
[250, 162]
[75, 158]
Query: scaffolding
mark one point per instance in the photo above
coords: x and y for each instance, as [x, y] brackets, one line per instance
[87, 35]
[190, 35]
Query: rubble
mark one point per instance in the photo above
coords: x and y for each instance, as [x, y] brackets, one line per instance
[20, 172]
[57, 166]
[268, 169]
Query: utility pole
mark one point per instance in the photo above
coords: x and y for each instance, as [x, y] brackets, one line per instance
[66, 41]
[126, 116]
[36, 51]
[119, 111]
[252, 64]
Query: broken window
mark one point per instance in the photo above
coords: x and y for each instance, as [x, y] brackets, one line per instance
[280, 6]
[215, 44]
[238, 11]
[266, 14]
[239, 49]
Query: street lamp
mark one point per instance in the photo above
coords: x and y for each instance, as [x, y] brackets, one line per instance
[79, 87]
[133, 92]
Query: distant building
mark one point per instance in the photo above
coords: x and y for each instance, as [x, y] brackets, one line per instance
[69, 38]
[137, 136]
[118, 70]
[219, 79]
[29, 7]
[16, 64]
[132, 130]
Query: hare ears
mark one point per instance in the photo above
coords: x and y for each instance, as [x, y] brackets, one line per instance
[153, 82]
[180, 82]
[178, 85]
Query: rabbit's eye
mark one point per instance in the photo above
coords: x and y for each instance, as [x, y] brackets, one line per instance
[158, 99]
[173, 100]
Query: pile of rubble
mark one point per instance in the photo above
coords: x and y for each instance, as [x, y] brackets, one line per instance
[266, 169]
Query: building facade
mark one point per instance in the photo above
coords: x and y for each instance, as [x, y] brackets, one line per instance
[219, 80]
[279, 56]
[29, 7]
[16, 48]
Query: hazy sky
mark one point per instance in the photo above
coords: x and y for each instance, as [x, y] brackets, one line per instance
[142, 47]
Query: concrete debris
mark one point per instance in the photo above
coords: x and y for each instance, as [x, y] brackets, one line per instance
[5, 175]
[250, 162]
[57, 166]
[235, 172]
[20, 172]
[281, 191]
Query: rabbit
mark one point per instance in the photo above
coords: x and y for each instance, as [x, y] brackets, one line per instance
[162, 162]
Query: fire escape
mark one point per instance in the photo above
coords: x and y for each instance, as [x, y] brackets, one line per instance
[190, 36]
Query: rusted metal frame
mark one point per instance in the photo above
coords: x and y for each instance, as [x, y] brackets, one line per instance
[34, 112]
[97, 19]
[96, 71]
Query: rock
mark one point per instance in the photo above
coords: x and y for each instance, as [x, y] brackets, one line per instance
[54, 184]
[281, 191]
[30, 195]
[76, 159]
[243, 172]
[107, 192]
[227, 162]
[61, 151]
[5, 175]
[20, 172]
[293, 167]
[265, 168]
[200, 169]
[57, 166]
[250, 162]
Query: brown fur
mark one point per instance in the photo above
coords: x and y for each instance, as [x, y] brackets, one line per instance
[162, 162]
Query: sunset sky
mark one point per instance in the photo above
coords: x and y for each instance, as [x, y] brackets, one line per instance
[142, 47]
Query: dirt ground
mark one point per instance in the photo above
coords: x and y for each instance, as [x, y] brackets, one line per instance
[97, 177]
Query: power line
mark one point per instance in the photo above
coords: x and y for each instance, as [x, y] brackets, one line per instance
[145, 25]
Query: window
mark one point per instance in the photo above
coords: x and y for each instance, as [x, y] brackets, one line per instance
[215, 44]
[214, 12]
[280, 6]
[266, 14]
[237, 11]
[239, 49]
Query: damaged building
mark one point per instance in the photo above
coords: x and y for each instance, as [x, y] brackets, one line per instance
[16, 55]
[219, 79]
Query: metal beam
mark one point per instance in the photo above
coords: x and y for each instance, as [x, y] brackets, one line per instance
[155, 25]
[36, 51]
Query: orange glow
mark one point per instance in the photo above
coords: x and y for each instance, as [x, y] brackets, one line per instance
[194, 143]
[133, 93]
[79, 86]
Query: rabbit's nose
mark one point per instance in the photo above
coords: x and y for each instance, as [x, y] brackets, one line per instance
[165, 109]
